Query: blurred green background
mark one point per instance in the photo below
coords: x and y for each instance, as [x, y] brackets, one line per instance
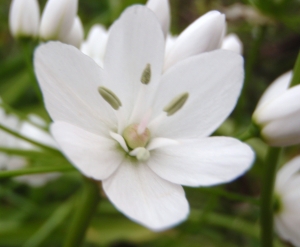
[225, 215]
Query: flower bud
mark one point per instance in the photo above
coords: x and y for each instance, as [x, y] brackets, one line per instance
[232, 43]
[57, 19]
[278, 113]
[24, 18]
[75, 36]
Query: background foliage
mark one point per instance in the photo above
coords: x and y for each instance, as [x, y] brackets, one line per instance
[224, 215]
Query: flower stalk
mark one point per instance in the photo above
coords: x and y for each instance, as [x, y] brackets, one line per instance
[267, 196]
[85, 208]
[296, 73]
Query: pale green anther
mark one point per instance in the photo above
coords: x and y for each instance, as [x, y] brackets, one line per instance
[176, 104]
[146, 76]
[143, 154]
[110, 97]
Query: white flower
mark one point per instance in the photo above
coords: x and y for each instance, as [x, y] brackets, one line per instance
[278, 113]
[95, 44]
[57, 19]
[24, 18]
[141, 132]
[232, 42]
[33, 130]
[75, 35]
[7, 140]
[287, 217]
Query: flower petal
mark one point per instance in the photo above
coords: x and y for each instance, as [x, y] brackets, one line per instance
[286, 172]
[135, 40]
[75, 35]
[232, 43]
[161, 8]
[213, 81]
[69, 81]
[287, 227]
[95, 156]
[284, 105]
[278, 87]
[24, 16]
[203, 162]
[57, 19]
[204, 34]
[95, 45]
[145, 197]
[283, 131]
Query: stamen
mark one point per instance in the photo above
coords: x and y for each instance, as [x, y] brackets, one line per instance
[176, 104]
[142, 154]
[110, 97]
[146, 76]
[119, 139]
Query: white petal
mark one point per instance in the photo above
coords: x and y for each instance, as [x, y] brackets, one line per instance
[232, 43]
[284, 105]
[95, 156]
[135, 40]
[286, 172]
[205, 34]
[75, 35]
[278, 87]
[95, 45]
[284, 131]
[24, 17]
[57, 19]
[288, 228]
[37, 134]
[203, 162]
[69, 81]
[145, 197]
[159, 142]
[161, 8]
[213, 81]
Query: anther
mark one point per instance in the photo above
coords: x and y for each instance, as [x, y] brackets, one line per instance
[176, 104]
[110, 97]
[142, 154]
[146, 76]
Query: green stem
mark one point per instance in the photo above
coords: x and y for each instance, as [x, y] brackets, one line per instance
[296, 73]
[34, 170]
[43, 146]
[85, 208]
[50, 225]
[267, 197]
[251, 132]
[28, 48]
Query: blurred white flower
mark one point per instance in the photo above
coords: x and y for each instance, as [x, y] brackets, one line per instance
[287, 214]
[24, 16]
[95, 44]
[12, 162]
[75, 35]
[7, 140]
[33, 130]
[58, 19]
[141, 132]
[232, 42]
[278, 113]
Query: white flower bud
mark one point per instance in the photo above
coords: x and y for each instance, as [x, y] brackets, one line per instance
[75, 36]
[232, 43]
[278, 113]
[24, 16]
[57, 19]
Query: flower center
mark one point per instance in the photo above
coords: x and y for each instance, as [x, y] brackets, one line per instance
[134, 137]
